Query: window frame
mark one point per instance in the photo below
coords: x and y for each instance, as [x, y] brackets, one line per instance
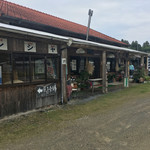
[25, 54]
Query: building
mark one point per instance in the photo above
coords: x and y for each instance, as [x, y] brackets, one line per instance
[38, 51]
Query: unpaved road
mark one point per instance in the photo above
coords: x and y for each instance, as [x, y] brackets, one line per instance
[124, 128]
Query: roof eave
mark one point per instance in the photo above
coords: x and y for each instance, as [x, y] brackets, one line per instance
[64, 39]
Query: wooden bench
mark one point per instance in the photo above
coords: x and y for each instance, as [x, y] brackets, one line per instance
[94, 81]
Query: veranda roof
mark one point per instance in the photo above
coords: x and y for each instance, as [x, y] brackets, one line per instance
[79, 42]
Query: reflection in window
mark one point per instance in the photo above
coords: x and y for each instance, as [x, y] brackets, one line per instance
[26, 68]
[37, 69]
[51, 68]
[20, 69]
[5, 69]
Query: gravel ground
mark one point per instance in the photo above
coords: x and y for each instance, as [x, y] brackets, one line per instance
[124, 128]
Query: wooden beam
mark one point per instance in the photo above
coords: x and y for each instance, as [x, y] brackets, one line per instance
[63, 74]
[104, 75]
[126, 77]
[142, 60]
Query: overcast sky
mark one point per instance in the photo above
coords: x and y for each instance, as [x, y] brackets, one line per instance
[120, 19]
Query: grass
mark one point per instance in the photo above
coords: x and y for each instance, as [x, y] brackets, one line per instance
[36, 123]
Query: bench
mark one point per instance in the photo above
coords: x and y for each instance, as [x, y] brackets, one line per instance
[94, 81]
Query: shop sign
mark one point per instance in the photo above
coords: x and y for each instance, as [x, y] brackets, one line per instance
[0, 75]
[80, 51]
[3, 44]
[52, 49]
[29, 46]
[64, 61]
[46, 90]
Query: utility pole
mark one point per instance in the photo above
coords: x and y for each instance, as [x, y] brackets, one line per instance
[89, 21]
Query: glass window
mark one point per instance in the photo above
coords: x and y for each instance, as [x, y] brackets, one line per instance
[37, 68]
[20, 68]
[77, 65]
[51, 68]
[94, 67]
[5, 68]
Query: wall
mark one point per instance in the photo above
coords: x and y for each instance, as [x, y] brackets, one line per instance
[21, 97]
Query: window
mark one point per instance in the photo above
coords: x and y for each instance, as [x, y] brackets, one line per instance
[51, 65]
[77, 64]
[27, 68]
[5, 68]
[20, 68]
[94, 67]
[37, 68]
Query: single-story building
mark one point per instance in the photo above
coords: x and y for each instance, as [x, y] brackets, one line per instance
[38, 51]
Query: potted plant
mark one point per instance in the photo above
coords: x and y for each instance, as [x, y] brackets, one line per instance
[82, 80]
[139, 74]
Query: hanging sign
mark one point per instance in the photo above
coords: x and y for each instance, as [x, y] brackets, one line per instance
[29, 46]
[52, 49]
[0, 75]
[80, 51]
[3, 44]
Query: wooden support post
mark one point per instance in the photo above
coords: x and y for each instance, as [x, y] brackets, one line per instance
[142, 60]
[147, 62]
[63, 74]
[117, 63]
[104, 70]
[126, 77]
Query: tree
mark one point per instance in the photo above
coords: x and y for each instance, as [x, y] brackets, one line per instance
[135, 45]
[126, 41]
[146, 47]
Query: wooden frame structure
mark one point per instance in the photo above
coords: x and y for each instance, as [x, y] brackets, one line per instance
[24, 96]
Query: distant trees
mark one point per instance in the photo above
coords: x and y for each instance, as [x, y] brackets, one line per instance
[146, 47]
[135, 45]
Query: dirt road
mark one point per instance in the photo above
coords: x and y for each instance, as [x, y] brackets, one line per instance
[123, 128]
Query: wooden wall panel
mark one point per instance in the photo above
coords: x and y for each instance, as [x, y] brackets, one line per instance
[20, 99]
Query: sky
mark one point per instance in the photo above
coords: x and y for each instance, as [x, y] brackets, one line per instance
[120, 19]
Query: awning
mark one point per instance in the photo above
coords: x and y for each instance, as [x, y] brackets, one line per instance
[67, 40]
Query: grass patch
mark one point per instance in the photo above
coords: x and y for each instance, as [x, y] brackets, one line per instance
[36, 123]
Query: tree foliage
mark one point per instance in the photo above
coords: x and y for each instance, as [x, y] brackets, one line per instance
[135, 45]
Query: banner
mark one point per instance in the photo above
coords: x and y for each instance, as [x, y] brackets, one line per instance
[3, 44]
[52, 49]
[29, 46]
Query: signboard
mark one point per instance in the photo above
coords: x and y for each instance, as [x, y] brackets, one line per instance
[0, 75]
[64, 61]
[3, 44]
[80, 51]
[46, 90]
[29, 46]
[52, 49]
